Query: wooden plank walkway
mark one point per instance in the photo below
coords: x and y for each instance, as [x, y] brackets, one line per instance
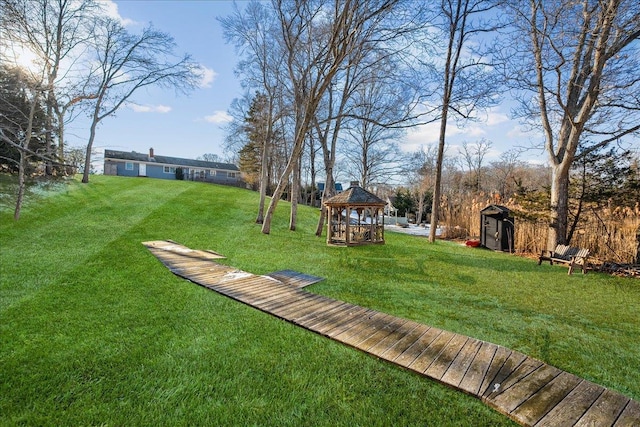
[294, 278]
[525, 389]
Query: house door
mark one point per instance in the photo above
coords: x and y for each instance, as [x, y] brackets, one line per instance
[111, 169]
[142, 170]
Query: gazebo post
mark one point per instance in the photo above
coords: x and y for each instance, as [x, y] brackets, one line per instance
[347, 225]
[374, 223]
[329, 223]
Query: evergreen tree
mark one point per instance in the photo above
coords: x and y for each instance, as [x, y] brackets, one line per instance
[15, 104]
[405, 202]
[601, 179]
[256, 127]
[250, 163]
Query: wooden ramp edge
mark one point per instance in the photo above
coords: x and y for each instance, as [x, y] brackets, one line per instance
[527, 390]
[294, 278]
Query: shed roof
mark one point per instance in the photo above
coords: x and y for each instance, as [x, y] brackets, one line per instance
[355, 195]
[177, 161]
[495, 210]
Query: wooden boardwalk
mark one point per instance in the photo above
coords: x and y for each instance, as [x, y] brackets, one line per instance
[525, 389]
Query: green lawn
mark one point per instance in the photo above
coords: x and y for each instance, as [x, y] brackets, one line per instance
[95, 331]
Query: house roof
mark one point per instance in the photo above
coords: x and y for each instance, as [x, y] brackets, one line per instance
[355, 195]
[177, 161]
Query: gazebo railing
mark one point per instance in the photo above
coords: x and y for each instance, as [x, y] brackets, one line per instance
[357, 233]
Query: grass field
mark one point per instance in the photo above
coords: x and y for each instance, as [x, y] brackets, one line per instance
[95, 331]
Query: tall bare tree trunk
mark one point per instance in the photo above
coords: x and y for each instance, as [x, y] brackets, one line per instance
[282, 183]
[23, 156]
[558, 227]
[21, 184]
[328, 154]
[264, 176]
[435, 206]
[87, 159]
[48, 138]
[329, 151]
[420, 206]
[328, 192]
[312, 172]
[295, 195]
[60, 133]
[264, 163]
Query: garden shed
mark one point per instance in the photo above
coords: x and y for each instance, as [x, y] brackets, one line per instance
[497, 228]
[355, 217]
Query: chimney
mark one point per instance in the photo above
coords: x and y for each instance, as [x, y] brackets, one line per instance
[150, 153]
[355, 184]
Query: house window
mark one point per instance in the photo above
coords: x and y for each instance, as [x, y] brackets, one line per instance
[128, 166]
[169, 169]
[212, 172]
[231, 174]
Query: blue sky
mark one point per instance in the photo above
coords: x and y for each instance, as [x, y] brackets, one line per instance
[174, 125]
[190, 126]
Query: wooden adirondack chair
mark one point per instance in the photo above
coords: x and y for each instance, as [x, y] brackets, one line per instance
[564, 254]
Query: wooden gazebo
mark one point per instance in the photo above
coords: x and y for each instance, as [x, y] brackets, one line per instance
[355, 217]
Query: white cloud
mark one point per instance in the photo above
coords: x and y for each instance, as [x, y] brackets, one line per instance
[218, 117]
[207, 77]
[428, 134]
[149, 108]
[518, 132]
[111, 10]
[474, 131]
[495, 118]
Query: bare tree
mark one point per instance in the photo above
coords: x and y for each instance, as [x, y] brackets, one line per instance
[327, 135]
[329, 121]
[376, 105]
[330, 118]
[317, 37]
[421, 171]
[371, 160]
[55, 33]
[209, 157]
[468, 82]
[503, 172]
[577, 65]
[253, 33]
[473, 156]
[330, 50]
[125, 63]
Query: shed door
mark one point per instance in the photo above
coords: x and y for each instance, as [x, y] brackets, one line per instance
[491, 235]
[142, 171]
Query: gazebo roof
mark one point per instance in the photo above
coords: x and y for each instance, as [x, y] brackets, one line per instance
[355, 196]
